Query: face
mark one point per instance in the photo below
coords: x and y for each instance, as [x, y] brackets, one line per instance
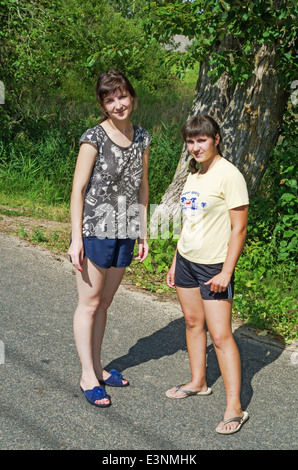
[202, 148]
[118, 104]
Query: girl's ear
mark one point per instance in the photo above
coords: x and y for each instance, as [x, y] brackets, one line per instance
[134, 103]
[217, 139]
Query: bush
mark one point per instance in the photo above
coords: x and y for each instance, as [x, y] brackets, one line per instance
[266, 273]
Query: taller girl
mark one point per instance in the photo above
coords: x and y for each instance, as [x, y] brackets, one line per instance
[108, 211]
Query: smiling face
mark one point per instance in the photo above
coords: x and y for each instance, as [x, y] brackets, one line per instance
[118, 105]
[202, 148]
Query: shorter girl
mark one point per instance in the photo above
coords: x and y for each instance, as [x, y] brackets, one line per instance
[215, 205]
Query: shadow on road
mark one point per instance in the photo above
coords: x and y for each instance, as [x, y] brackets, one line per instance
[170, 339]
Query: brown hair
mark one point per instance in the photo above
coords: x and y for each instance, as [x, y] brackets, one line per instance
[199, 126]
[110, 81]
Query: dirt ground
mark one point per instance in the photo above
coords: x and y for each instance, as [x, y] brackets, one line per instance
[11, 224]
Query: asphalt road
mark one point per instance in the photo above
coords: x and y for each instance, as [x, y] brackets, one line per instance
[42, 407]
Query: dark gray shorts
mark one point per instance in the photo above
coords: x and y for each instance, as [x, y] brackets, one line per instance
[189, 275]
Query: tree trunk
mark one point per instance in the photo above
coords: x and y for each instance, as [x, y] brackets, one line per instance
[250, 116]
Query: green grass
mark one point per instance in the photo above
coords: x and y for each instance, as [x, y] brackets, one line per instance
[268, 302]
[23, 205]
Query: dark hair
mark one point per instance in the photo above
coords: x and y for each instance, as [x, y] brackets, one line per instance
[110, 81]
[199, 126]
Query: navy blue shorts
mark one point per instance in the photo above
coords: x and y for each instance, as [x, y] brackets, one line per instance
[189, 274]
[108, 252]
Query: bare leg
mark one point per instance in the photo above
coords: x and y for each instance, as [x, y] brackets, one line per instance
[218, 317]
[112, 281]
[196, 339]
[90, 285]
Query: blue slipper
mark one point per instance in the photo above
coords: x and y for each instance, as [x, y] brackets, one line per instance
[115, 379]
[96, 393]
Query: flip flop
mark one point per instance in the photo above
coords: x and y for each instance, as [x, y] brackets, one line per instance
[240, 419]
[95, 394]
[188, 393]
[115, 379]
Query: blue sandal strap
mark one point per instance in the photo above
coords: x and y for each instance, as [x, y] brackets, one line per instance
[115, 379]
[96, 393]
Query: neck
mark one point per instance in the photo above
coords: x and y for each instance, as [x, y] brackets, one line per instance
[206, 166]
[123, 126]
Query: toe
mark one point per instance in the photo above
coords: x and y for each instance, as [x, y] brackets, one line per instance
[170, 393]
[104, 401]
[174, 393]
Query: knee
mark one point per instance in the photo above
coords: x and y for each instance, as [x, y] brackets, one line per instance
[91, 306]
[191, 320]
[105, 302]
[95, 304]
[221, 340]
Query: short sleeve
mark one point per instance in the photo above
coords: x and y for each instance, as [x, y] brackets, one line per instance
[146, 140]
[235, 190]
[90, 137]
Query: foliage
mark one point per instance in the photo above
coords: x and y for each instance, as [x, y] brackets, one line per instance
[274, 211]
[54, 50]
[266, 273]
[249, 24]
[161, 254]
[54, 40]
[164, 157]
[129, 8]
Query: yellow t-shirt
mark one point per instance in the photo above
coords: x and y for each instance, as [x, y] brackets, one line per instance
[206, 200]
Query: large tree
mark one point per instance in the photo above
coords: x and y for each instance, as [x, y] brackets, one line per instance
[246, 52]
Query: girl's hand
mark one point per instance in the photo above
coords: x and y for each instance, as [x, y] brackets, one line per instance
[219, 283]
[143, 249]
[76, 252]
[171, 276]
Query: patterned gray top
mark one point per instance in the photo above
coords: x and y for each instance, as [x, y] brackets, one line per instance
[111, 207]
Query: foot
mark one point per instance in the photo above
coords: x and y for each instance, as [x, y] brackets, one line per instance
[85, 387]
[183, 391]
[232, 423]
[104, 376]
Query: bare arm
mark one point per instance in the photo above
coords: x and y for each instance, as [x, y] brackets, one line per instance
[170, 278]
[143, 205]
[84, 166]
[238, 216]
